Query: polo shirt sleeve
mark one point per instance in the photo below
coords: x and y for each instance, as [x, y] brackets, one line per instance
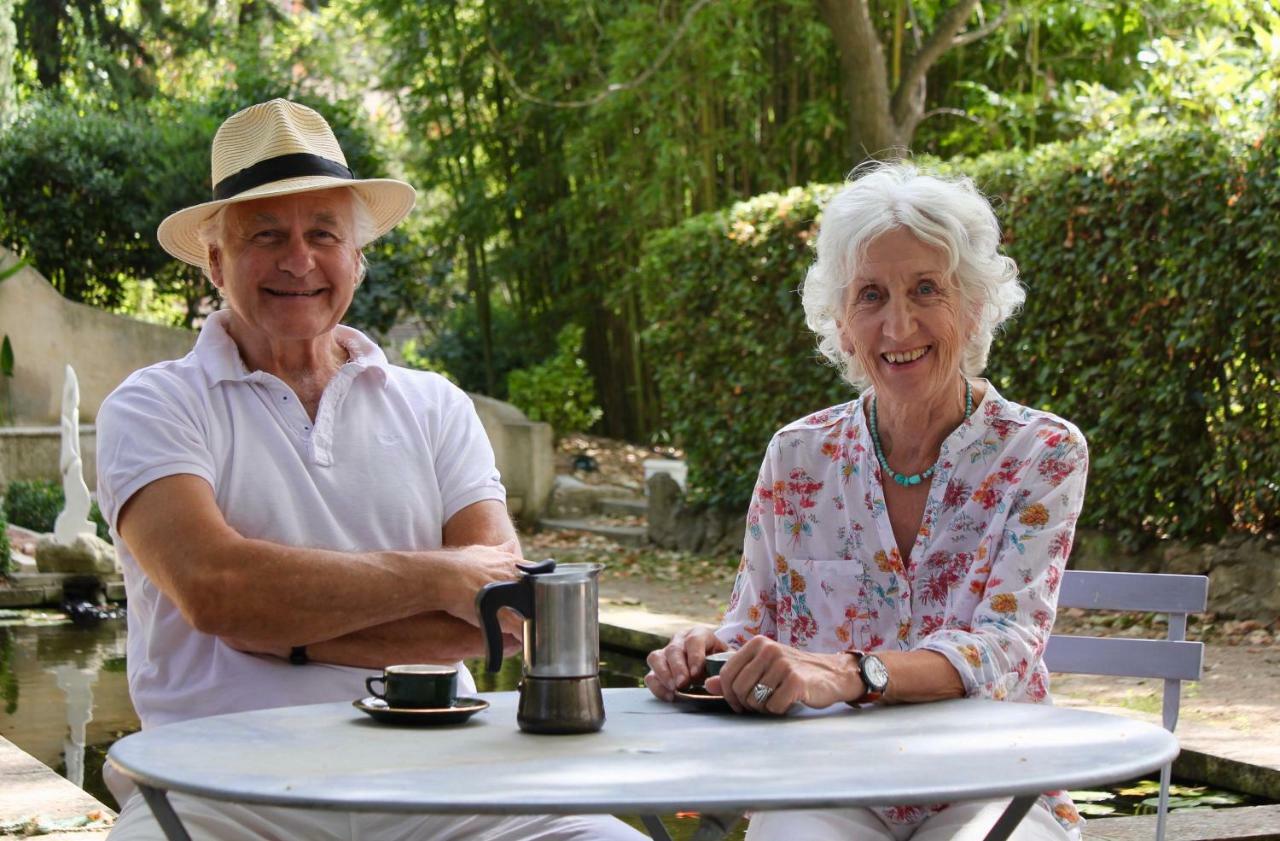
[465, 465]
[146, 431]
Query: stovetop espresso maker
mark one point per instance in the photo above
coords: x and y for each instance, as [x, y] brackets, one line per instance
[560, 689]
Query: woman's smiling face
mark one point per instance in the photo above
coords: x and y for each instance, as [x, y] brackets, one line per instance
[903, 319]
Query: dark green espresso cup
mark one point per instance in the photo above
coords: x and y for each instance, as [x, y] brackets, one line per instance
[416, 686]
[715, 662]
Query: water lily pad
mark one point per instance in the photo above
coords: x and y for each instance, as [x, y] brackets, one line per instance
[1095, 810]
[1089, 796]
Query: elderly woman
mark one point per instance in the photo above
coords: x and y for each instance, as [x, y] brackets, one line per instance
[906, 546]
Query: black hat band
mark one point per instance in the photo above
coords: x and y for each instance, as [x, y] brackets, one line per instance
[279, 168]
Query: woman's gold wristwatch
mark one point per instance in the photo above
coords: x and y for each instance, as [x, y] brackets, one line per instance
[875, 678]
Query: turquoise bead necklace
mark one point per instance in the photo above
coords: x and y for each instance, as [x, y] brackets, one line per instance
[915, 478]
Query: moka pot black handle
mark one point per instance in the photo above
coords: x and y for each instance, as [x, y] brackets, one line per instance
[517, 595]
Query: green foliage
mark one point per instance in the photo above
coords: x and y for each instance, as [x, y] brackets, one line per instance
[1059, 69]
[558, 390]
[6, 556]
[1150, 323]
[36, 504]
[458, 347]
[33, 505]
[406, 275]
[726, 337]
[84, 190]
[544, 206]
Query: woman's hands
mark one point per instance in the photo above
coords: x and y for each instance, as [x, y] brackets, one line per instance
[674, 666]
[795, 676]
[816, 680]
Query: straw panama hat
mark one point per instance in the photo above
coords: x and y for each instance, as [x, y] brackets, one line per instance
[273, 149]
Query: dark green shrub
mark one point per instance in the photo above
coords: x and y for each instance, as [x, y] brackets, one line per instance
[1150, 322]
[84, 190]
[100, 522]
[458, 346]
[726, 338]
[36, 504]
[558, 390]
[33, 505]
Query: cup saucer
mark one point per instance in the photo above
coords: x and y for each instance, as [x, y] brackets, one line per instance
[461, 710]
[697, 697]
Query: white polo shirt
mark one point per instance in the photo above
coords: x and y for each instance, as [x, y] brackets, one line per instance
[392, 455]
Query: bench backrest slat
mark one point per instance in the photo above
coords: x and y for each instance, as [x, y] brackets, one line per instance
[1141, 591]
[1124, 657]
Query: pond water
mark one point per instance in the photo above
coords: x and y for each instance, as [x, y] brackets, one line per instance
[65, 700]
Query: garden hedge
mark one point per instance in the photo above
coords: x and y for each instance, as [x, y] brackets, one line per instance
[1151, 321]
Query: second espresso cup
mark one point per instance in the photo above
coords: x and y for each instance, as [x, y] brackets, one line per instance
[416, 686]
[715, 662]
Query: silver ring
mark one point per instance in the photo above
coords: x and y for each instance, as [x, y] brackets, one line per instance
[761, 693]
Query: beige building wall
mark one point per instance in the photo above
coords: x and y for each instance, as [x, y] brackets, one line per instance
[48, 332]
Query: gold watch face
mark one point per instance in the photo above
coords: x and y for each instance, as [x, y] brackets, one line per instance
[875, 675]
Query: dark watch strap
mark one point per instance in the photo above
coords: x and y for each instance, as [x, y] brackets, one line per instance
[298, 655]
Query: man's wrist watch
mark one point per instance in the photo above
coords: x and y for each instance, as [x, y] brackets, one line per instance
[875, 677]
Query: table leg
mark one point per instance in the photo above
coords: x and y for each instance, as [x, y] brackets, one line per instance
[1012, 816]
[715, 827]
[653, 825]
[165, 816]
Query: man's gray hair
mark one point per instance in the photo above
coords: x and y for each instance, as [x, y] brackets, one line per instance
[949, 214]
[211, 230]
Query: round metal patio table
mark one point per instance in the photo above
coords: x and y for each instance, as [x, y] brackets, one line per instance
[651, 758]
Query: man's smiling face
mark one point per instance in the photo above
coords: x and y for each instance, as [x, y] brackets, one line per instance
[287, 265]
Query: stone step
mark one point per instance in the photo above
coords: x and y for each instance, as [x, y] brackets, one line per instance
[44, 589]
[626, 535]
[1247, 823]
[30, 790]
[624, 505]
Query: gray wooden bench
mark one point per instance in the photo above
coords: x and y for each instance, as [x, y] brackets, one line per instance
[1172, 659]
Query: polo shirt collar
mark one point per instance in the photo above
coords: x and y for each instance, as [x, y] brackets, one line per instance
[219, 357]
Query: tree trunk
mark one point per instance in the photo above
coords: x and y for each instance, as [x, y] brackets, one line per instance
[884, 115]
[44, 22]
[872, 130]
[8, 51]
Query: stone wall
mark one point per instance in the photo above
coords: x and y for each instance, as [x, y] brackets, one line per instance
[675, 524]
[33, 452]
[1243, 570]
[524, 452]
[48, 332]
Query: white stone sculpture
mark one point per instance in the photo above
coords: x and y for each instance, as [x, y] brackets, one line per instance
[74, 519]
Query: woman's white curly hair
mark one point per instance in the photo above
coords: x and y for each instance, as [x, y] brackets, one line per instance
[949, 214]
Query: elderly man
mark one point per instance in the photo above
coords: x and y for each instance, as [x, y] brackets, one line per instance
[291, 510]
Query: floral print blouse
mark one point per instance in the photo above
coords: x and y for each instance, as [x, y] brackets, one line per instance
[821, 569]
